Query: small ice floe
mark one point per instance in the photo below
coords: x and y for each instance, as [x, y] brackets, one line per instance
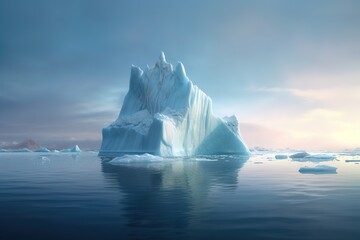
[3, 150]
[140, 161]
[143, 158]
[299, 155]
[203, 159]
[351, 152]
[258, 162]
[314, 158]
[281, 156]
[320, 158]
[352, 161]
[319, 169]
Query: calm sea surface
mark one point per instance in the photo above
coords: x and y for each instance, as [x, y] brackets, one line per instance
[78, 196]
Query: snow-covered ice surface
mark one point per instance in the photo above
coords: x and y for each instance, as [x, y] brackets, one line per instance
[147, 160]
[143, 158]
[165, 114]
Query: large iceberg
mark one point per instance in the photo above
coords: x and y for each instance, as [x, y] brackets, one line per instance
[165, 114]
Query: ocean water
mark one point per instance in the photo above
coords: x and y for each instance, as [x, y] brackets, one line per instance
[79, 196]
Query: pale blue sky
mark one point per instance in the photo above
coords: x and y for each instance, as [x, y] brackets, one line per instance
[288, 69]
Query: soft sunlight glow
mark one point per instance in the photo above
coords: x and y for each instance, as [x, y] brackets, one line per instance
[289, 70]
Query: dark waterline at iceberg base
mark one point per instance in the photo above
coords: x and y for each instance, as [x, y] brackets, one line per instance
[78, 196]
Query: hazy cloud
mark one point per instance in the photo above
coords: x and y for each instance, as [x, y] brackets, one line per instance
[64, 65]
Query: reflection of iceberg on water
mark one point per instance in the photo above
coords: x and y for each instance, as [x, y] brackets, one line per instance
[164, 113]
[171, 196]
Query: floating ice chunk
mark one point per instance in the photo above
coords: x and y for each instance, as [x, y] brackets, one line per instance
[203, 159]
[74, 149]
[143, 158]
[316, 158]
[280, 156]
[42, 150]
[258, 162]
[352, 161]
[44, 158]
[320, 158]
[300, 155]
[319, 169]
[3, 150]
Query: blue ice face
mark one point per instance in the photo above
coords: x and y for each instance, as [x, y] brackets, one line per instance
[165, 114]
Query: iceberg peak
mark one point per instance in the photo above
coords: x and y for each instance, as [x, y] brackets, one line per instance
[180, 71]
[162, 57]
[162, 65]
[164, 113]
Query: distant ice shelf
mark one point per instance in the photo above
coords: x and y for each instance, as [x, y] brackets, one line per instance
[165, 114]
[22, 150]
[42, 150]
[74, 149]
[306, 157]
